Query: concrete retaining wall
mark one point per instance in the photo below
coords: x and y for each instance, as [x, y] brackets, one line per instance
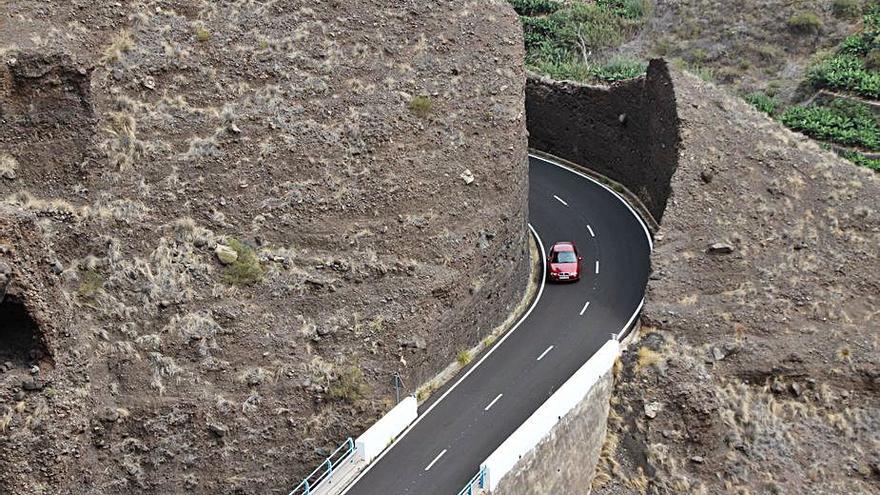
[627, 132]
[558, 446]
[380, 435]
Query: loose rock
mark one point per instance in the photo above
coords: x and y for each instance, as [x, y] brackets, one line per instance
[467, 176]
[225, 254]
[720, 248]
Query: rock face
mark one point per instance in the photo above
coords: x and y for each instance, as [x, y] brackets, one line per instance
[608, 130]
[327, 144]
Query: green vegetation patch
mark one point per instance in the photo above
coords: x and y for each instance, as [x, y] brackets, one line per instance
[805, 23]
[421, 106]
[619, 69]
[762, 102]
[854, 67]
[843, 123]
[535, 7]
[862, 160]
[246, 269]
[564, 39]
[847, 73]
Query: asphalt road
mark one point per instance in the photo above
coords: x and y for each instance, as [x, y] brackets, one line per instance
[445, 447]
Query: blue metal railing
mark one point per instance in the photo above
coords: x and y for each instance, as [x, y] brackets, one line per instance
[478, 482]
[326, 468]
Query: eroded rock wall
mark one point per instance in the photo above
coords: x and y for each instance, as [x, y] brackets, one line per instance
[627, 132]
[327, 144]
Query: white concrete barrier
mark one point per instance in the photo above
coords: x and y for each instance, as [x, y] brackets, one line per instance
[539, 424]
[380, 435]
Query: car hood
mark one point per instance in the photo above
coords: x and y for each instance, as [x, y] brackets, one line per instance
[563, 267]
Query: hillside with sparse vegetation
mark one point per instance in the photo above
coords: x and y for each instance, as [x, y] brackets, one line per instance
[225, 226]
[781, 55]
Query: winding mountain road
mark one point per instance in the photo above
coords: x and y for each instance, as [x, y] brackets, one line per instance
[565, 325]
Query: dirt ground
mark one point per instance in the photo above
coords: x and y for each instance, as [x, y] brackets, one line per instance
[758, 368]
[747, 46]
[225, 225]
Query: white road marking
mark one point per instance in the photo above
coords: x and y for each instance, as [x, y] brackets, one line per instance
[560, 200]
[591, 231]
[544, 353]
[585, 308]
[435, 460]
[493, 402]
[597, 266]
[603, 186]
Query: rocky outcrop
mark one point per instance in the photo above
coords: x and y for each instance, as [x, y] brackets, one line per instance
[325, 148]
[627, 132]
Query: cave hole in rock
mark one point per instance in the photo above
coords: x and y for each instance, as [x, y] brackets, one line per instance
[21, 340]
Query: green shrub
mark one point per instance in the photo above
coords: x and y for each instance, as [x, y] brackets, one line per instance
[350, 386]
[805, 23]
[619, 69]
[846, 72]
[202, 34]
[90, 284]
[871, 18]
[571, 70]
[842, 123]
[629, 9]
[421, 106]
[762, 102]
[464, 357]
[846, 9]
[535, 7]
[862, 160]
[246, 269]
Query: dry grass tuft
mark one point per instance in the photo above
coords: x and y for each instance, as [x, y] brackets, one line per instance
[120, 44]
[8, 165]
[421, 106]
[246, 270]
[350, 386]
[647, 358]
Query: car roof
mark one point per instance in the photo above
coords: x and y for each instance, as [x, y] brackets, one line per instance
[563, 246]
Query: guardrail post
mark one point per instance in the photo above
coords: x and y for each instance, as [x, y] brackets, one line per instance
[307, 487]
[329, 467]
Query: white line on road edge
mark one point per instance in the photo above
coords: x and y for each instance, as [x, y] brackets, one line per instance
[585, 308]
[493, 402]
[560, 200]
[544, 353]
[597, 266]
[435, 459]
[471, 370]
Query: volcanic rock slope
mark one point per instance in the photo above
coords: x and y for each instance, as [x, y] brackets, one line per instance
[325, 150]
[758, 370]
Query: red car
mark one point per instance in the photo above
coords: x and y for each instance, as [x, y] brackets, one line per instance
[564, 263]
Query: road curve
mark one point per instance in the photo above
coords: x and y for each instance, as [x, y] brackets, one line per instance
[495, 395]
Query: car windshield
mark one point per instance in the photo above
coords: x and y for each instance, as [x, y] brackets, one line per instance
[564, 257]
